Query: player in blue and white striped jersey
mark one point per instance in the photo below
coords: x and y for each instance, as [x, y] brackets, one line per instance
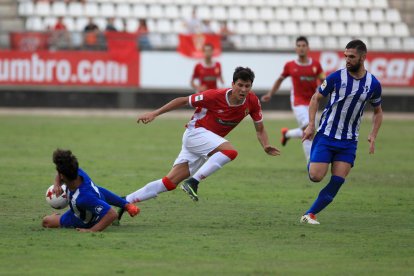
[336, 139]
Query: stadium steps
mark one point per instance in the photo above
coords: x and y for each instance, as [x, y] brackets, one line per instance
[406, 9]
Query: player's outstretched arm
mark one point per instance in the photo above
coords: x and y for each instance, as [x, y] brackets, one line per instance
[103, 223]
[376, 124]
[313, 108]
[266, 97]
[57, 186]
[172, 105]
[264, 140]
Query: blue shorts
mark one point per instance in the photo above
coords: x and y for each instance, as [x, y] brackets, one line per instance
[327, 150]
[69, 220]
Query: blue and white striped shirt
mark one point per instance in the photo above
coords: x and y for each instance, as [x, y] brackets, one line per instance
[342, 115]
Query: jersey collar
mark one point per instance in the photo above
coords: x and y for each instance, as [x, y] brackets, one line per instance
[228, 102]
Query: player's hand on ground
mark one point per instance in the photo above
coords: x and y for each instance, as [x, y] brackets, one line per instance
[308, 133]
[83, 230]
[146, 118]
[265, 98]
[271, 150]
[371, 141]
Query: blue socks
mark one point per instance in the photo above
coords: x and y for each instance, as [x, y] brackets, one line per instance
[112, 199]
[327, 194]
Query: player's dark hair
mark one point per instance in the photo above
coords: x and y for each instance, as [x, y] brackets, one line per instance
[302, 38]
[243, 73]
[358, 45]
[66, 163]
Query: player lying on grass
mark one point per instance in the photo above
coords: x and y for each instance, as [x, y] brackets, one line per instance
[90, 209]
[204, 149]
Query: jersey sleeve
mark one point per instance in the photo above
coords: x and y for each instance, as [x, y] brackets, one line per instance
[202, 99]
[328, 85]
[95, 205]
[375, 99]
[196, 72]
[256, 111]
[285, 72]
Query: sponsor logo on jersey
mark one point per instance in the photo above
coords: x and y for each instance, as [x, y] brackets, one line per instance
[198, 98]
[226, 123]
[98, 209]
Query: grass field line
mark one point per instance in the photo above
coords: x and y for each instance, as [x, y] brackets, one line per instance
[178, 114]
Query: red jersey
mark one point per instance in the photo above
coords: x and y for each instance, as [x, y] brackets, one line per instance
[304, 80]
[207, 75]
[215, 113]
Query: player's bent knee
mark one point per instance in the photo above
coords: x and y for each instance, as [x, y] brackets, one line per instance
[315, 177]
[232, 154]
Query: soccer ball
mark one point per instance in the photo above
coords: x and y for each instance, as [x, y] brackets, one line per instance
[57, 202]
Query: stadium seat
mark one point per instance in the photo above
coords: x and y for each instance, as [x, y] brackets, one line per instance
[235, 13]
[338, 28]
[170, 40]
[288, 3]
[123, 10]
[408, 43]
[107, 10]
[401, 30]
[345, 15]
[251, 42]
[132, 25]
[26, 8]
[267, 41]
[275, 28]
[376, 15]
[219, 13]
[290, 28]
[42, 9]
[155, 11]
[282, 14]
[203, 12]
[377, 43]
[243, 27]
[251, 13]
[80, 23]
[178, 26]
[100, 22]
[353, 29]
[306, 28]
[140, 11]
[259, 28]
[163, 26]
[172, 11]
[76, 9]
[322, 28]
[392, 15]
[91, 9]
[34, 23]
[333, 4]
[49, 22]
[69, 23]
[369, 29]
[283, 42]
[329, 14]
[349, 4]
[364, 4]
[319, 3]
[385, 29]
[383, 4]
[343, 41]
[394, 43]
[297, 14]
[59, 9]
[331, 42]
[266, 13]
[156, 40]
[314, 14]
[315, 42]
[361, 15]
[304, 3]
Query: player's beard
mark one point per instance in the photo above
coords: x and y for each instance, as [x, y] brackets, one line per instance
[356, 67]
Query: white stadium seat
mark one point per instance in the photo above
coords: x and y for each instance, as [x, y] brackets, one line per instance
[322, 29]
[132, 25]
[91, 9]
[275, 28]
[80, 23]
[259, 28]
[315, 42]
[140, 11]
[155, 11]
[235, 13]
[282, 14]
[314, 14]
[297, 14]
[350, 4]
[267, 41]
[163, 26]
[334, 3]
[251, 42]
[172, 11]
[329, 15]
[377, 43]
[266, 13]
[385, 29]
[26, 8]
[290, 28]
[69, 23]
[34, 23]
[394, 43]
[123, 10]
[251, 13]
[354, 29]
[338, 28]
[243, 27]
[392, 15]
[306, 28]
[304, 3]
[59, 9]
[369, 29]
[383, 4]
[376, 15]
[401, 30]
[361, 15]
[345, 15]
[219, 13]
[49, 22]
[331, 42]
[283, 42]
[319, 3]
[365, 4]
[107, 10]
[77, 9]
[42, 9]
[408, 43]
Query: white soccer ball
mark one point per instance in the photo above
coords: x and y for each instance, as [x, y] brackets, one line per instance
[57, 202]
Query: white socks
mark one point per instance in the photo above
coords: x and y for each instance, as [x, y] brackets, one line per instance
[215, 162]
[149, 191]
[294, 133]
[307, 145]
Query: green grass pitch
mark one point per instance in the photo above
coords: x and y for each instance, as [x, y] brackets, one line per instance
[247, 219]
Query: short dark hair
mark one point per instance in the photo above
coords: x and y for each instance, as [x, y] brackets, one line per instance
[358, 45]
[243, 73]
[66, 163]
[302, 38]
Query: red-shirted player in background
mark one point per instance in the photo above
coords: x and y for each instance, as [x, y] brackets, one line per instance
[305, 73]
[204, 149]
[207, 73]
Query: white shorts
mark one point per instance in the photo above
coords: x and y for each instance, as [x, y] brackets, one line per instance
[302, 115]
[197, 144]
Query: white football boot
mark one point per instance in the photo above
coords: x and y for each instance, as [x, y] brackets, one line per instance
[309, 218]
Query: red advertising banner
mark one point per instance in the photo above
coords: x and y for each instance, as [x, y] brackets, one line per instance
[192, 45]
[391, 69]
[82, 68]
[29, 41]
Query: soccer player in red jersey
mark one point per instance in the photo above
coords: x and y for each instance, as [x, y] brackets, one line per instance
[204, 149]
[206, 73]
[305, 73]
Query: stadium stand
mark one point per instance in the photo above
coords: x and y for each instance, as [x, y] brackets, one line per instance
[268, 24]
